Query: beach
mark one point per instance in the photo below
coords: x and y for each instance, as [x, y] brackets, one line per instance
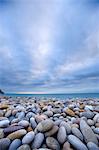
[29, 123]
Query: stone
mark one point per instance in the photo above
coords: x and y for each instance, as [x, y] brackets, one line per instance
[45, 125]
[52, 132]
[67, 126]
[76, 143]
[23, 123]
[28, 138]
[21, 115]
[90, 122]
[33, 122]
[66, 146]
[96, 117]
[38, 140]
[70, 112]
[4, 123]
[87, 132]
[1, 113]
[48, 113]
[88, 107]
[11, 129]
[4, 106]
[87, 114]
[52, 143]
[96, 130]
[15, 144]
[92, 146]
[4, 143]
[1, 134]
[8, 113]
[17, 134]
[24, 147]
[40, 118]
[57, 122]
[61, 136]
[77, 133]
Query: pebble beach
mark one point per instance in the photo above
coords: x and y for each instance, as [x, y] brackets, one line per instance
[30, 124]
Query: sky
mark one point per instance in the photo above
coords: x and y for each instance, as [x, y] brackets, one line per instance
[49, 46]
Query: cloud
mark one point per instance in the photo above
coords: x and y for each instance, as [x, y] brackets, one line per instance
[49, 46]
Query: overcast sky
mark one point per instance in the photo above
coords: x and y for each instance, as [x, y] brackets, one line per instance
[49, 46]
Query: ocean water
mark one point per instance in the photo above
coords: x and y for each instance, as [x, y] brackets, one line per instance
[58, 96]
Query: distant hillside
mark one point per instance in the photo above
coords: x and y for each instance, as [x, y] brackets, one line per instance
[1, 92]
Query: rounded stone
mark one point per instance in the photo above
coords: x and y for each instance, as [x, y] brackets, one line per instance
[96, 117]
[8, 113]
[4, 123]
[90, 122]
[52, 143]
[67, 126]
[45, 125]
[76, 143]
[1, 133]
[38, 140]
[61, 136]
[96, 130]
[24, 147]
[52, 132]
[92, 146]
[23, 123]
[11, 129]
[33, 122]
[70, 112]
[4, 143]
[66, 146]
[28, 138]
[77, 133]
[87, 114]
[87, 132]
[48, 113]
[17, 134]
[15, 144]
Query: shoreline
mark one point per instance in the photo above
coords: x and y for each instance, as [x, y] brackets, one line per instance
[28, 123]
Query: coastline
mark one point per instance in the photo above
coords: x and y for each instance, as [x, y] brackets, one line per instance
[37, 123]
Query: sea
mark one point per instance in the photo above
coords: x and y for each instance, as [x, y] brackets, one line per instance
[57, 96]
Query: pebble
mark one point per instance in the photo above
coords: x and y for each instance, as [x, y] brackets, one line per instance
[52, 132]
[69, 112]
[92, 146]
[96, 117]
[96, 130]
[76, 143]
[87, 114]
[67, 126]
[11, 129]
[77, 133]
[15, 144]
[48, 113]
[24, 147]
[61, 136]
[8, 113]
[17, 134]
[66, 146]
[4, 143]
[38, 140]
[87, 132]
[52, 143]
[28, 138]
[4, 123]
[23, 123]
[45, 125]
[33, 122]
[90, 122]
[1, 133]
